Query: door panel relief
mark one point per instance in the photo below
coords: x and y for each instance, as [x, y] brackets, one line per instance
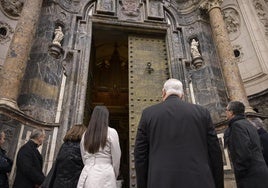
[148, 70]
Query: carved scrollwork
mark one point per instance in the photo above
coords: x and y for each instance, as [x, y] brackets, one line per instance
[12, 8]
[5, 32]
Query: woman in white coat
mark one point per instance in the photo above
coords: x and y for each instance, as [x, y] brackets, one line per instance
[100, 152]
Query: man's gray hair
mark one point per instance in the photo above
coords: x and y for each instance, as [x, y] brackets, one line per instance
[173, 86]
[36, 133]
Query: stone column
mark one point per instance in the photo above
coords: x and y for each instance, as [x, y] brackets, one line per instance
[13, 69]
[231, 74]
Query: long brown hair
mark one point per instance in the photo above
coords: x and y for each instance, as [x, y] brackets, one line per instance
[74, 134]
[96, 133]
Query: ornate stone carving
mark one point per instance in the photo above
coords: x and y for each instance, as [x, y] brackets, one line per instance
[12, 8]
[5, 32]
[262, 14]
[130, 7]
[106, 6]
[231, 19]
[155, 9]
[210, 4]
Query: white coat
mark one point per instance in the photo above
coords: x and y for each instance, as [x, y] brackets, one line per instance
[102, 168]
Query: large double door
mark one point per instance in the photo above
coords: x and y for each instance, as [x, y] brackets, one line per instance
[126, 74]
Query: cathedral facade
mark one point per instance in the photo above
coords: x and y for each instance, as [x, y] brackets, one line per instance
[60, 58]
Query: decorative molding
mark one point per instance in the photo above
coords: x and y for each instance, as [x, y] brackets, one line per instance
[12, 9]
[5, 32]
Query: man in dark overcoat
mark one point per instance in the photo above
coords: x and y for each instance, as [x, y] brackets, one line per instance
[176, 144]
[30, 162]
[244, 145]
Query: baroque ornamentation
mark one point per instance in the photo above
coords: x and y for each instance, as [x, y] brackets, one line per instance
[210, 4]
[12, 8]
[231, 19]
[262, 14]
[130, 7]
[5, 32]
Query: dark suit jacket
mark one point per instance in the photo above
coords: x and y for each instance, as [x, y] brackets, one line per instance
[29, 167]
[177, 146]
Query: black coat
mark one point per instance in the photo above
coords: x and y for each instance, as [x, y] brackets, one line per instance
[68, 166]
[177, 146]
[29, 167]
[264, 142]
[5, 167]
[244, 146]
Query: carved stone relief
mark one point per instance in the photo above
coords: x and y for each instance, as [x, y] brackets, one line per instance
[232, 21]
[106, 6]
[130, 8]
[5, 32]
[155, 9]
[262, 14]
[12, 8]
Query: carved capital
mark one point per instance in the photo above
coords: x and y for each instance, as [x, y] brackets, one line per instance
[210, 4]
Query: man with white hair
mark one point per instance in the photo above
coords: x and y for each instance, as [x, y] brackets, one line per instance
[176, 144]
[30, 162]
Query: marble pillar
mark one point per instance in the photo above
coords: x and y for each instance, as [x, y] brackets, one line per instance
[12, 73]
[231, 74]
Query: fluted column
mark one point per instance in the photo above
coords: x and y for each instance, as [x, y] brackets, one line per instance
[231, 74]
[13, 69]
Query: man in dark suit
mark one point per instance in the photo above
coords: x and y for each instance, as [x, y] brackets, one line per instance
[29, 162]
[244, 145]
[176, 144]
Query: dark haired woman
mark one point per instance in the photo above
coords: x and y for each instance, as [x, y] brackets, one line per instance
[68, 165]
[100, 152]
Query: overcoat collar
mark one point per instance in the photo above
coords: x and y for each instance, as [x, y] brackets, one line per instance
[236, 118]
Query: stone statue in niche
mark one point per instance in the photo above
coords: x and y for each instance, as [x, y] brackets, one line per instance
[197, 58]
[231, 20]
[58, 36]
[55, 49]
[194, 49]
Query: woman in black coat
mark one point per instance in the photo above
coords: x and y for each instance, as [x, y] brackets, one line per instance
[5, 163]
[68, 165]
